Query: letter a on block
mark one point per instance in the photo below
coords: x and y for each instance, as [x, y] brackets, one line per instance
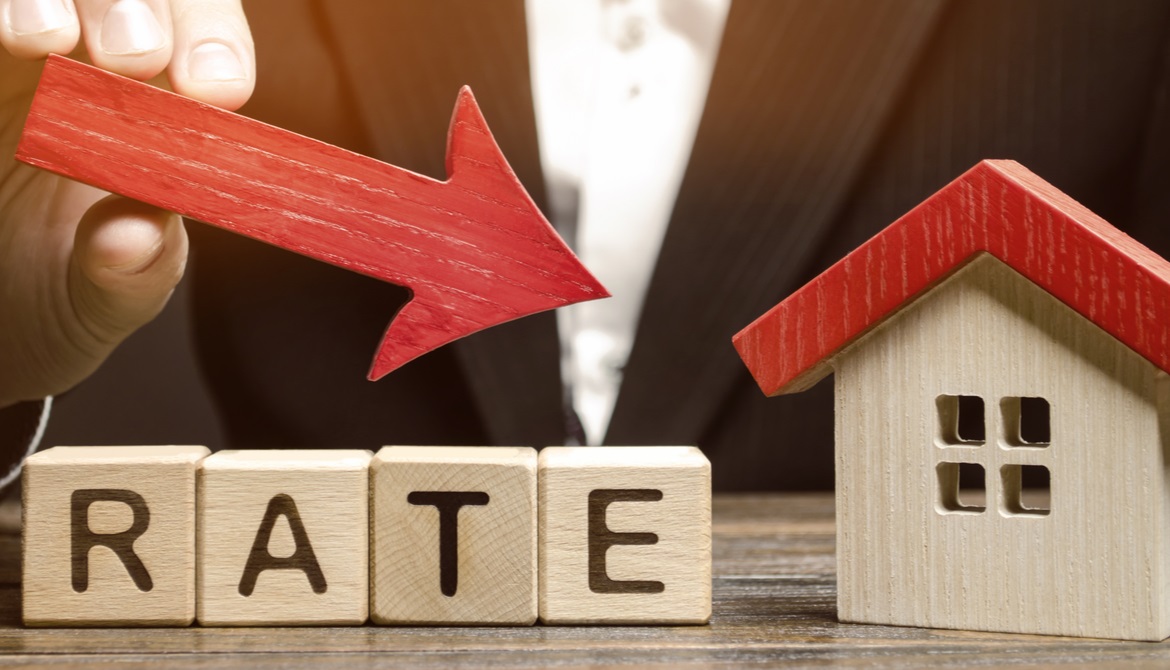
[284, 538]
[453, 536]
[302, 558]
[625, 535]
[109, 536]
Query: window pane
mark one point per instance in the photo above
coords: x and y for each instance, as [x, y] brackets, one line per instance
[1027, 490]
[961, 420]
[962, 488]
[1026, 421]
[1034, 425]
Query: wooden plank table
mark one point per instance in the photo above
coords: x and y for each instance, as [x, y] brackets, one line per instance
[774, 604]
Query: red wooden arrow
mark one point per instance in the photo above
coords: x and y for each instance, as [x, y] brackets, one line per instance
[474, 249]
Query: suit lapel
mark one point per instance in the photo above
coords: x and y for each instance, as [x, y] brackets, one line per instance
[800, 92]
[407, 60]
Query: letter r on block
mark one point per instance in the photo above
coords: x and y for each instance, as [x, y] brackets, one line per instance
[109, 536]
[82, 539]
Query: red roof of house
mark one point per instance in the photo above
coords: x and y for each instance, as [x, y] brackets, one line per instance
[997, 207]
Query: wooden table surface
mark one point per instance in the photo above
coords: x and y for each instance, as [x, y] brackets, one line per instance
[774, 605]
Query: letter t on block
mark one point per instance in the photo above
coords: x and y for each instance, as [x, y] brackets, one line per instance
[453, 536]
[109, 536]
[625, 535]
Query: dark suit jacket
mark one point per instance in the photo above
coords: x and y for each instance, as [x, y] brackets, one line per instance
[825, 122]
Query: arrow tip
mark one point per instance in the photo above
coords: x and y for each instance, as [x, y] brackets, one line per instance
[523, 266]
[469, 140]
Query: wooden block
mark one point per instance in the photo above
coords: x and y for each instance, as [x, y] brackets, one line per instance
[474, 250]
[625, 535]
[109, 536]
[283, 537]
[453, 535]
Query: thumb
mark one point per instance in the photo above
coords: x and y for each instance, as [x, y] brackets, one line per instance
[127, 259]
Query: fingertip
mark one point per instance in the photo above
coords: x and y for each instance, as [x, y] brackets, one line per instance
[214, 59]
[130, 37]
[127, 259]
[126, 245]
[32, 29]
[214, 72]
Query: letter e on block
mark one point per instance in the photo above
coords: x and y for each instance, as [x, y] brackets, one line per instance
[284, 537]
[109, 536]
[454, 536]
[625, 535]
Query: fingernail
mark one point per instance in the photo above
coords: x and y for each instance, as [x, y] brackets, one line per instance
[131, 28]
[214, 61]
[36, 17]
[135, 234]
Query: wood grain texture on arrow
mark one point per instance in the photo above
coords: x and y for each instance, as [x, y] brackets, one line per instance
[474, 249]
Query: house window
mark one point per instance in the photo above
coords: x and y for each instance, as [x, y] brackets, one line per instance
[1026, 422]
[962, 487]
[961, 421]
[1024, 489]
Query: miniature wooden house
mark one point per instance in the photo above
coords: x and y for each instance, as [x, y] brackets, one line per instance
[996, 335]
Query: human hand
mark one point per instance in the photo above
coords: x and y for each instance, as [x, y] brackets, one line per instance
[80, 270]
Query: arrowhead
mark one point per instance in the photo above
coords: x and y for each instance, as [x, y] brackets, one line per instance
[521, 265]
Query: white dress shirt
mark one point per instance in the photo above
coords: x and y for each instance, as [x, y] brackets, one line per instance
[619, 87]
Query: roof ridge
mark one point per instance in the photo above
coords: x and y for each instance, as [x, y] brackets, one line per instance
[998, 207]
